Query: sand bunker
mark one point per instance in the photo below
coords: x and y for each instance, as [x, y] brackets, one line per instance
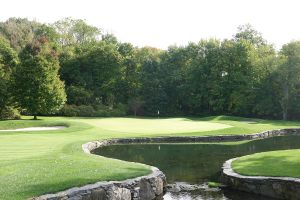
[52, 128]
[249, 122]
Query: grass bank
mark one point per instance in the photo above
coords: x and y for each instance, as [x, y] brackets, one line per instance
[35, 163]
[273, 163]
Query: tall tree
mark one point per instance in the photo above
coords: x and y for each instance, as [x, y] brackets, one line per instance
[289, 75]
[8, 61]
[18, 31]
[97, 69]
[265, 62]
[248, 33]
[203, 77]
[128, 84]
[75, 31]
[37, 85]
[153, 93]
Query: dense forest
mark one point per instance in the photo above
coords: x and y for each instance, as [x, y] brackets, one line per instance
[71, 68]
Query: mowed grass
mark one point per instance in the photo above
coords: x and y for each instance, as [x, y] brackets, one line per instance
[36, 163]
[274, 163]
[164, 126]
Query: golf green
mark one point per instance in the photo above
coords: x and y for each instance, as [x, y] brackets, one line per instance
[33, 163]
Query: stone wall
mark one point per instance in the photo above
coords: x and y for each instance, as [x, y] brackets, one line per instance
[153, 186]
[90, 146]
[148, 187]
[275, 187]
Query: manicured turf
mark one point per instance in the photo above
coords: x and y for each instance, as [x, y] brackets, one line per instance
[35, 163]
[273, 163]
[146, 126]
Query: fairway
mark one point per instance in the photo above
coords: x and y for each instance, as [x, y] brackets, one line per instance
[33, 163]
[173, 125]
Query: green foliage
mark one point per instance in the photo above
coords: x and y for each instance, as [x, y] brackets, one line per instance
[37, 86]
[93, 111]
[129, 84]
[214, 184]
[288, 79]
[36, 163]
[243, 75]
[209, 77]
[8, 61]
[20, 31]
[9, 112]
[204, 77]
[78, 95]
[248, 33]
[153, 94]
[75, 31]
[96, 71]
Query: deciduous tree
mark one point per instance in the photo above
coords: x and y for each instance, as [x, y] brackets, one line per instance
[8, 61]
[37, 85]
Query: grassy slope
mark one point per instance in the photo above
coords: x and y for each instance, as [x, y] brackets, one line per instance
[34, 163]
[273, 163]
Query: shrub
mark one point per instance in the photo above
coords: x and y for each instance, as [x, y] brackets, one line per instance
[9, 113]
[93, 111]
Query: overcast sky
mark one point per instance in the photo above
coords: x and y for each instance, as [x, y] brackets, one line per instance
[160, 23]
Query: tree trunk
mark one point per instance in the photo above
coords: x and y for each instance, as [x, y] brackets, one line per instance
[35, 117]
[285, 102]
[284, 115]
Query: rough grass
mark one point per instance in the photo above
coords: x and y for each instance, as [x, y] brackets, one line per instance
[35, 163]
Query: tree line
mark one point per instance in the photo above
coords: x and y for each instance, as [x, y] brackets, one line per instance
[71, 68]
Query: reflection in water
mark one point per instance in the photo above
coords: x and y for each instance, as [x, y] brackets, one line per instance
[213, 195]
[196, 163]
[190, 196]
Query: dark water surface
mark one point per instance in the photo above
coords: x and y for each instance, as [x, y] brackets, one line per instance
[197, 163]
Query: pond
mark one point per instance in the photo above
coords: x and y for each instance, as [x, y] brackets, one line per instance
[197, 164]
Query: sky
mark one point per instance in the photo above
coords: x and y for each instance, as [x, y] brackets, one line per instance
[161, 23]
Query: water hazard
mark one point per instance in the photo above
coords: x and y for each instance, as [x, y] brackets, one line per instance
[197, 163]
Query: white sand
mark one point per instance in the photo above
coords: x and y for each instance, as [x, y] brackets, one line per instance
[249, 122]
[52, 128]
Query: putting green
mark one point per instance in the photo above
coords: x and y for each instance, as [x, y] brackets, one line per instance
[173, 125]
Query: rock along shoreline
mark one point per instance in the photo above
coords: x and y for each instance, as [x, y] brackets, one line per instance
[148, 187]
[275, 187]
[153, 186]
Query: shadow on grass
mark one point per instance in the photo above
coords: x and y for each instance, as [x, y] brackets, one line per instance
[38, 189]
